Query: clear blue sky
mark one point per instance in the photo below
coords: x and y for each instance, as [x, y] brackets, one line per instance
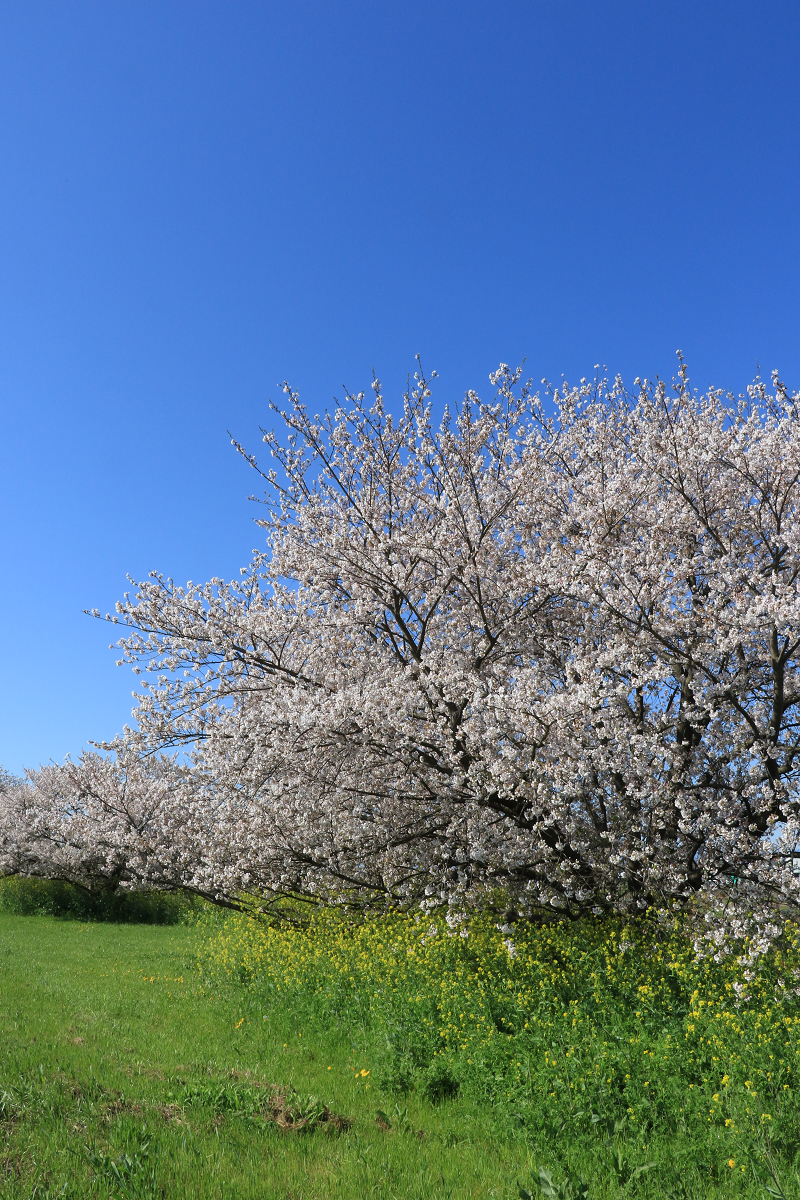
[200, 200]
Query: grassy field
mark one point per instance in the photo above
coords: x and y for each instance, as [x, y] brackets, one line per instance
[385, 1061]
[102, 1027]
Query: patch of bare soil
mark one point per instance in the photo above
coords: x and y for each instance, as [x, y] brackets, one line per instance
[293, 1112]
[171, 1113]
[118, 1106]
[12, 1166]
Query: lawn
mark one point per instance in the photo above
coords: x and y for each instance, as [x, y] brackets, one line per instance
[222, 1061]
[102, 1027]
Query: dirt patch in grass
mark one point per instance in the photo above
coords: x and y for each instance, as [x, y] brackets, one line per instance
[12, 1166]
[287, 1108]
[293, 1112]
[171, 1113]
[119, 1107]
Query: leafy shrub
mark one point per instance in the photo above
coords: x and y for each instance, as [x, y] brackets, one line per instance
[26, 896]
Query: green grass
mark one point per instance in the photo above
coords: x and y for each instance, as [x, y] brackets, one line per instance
[102, 1027]
[124, 1071]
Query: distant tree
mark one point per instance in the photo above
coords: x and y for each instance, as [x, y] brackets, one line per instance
[97, 823]
[545, 646]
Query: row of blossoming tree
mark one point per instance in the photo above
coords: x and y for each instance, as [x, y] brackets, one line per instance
[547, 648]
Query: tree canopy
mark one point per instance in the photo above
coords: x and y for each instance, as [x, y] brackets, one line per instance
[548, 645]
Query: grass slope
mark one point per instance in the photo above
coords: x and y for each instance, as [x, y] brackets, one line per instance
[102, 1027]
[124, 1072]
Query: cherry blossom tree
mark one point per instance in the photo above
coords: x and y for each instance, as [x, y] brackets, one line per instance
[98, 823]
[547, 646]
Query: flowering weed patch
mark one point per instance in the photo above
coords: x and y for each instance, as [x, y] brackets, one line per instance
[602, 1032]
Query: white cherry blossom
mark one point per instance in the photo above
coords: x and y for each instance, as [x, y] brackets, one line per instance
[548, 646]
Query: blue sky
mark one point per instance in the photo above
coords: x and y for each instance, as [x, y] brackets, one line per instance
[198, 201]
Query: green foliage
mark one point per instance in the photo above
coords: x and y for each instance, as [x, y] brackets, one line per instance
[28, 896]
[135, 1047]
[572, 1188]
[438, 1082]
[624, 1170]
[590, 1027]
[131, 1174]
